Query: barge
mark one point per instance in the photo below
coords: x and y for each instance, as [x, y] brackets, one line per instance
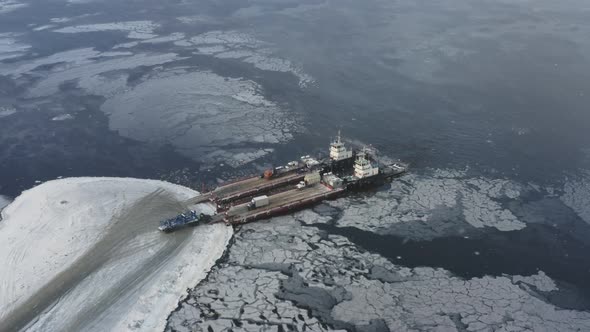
[291, 187]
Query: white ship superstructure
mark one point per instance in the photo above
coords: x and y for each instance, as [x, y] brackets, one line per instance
[338, 151]
[363, 167]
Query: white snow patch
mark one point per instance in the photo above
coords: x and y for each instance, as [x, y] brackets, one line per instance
[135, 29]
[49, 228]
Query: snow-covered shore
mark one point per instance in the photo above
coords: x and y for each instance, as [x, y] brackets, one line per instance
[87, 251]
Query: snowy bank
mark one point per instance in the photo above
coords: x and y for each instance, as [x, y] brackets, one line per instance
[87, 253]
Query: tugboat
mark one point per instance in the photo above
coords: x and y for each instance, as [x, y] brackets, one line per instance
[368, 173]
[187, 219]
[341, 158]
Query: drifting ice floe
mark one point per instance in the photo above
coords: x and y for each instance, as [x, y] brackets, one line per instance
[82, 65]
[10, 48]
[62, 117]
[164, 39]
[88, 253]
[6, 6]
[279, 273]
[135, 29]
[239, 45]
[6, 111]
[73, 58]
[422, 197]
[540, 280]
[181, 107]
[236, 157]
[44, 27]
[577, 195]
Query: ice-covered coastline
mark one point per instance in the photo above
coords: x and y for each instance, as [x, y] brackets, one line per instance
[88, 251]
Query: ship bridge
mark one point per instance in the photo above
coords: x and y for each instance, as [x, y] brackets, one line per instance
[338, 151]
[363, 167]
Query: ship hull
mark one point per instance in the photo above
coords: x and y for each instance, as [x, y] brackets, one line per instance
[289, 208]
[374, 181]
[361, 184]
[338, 166]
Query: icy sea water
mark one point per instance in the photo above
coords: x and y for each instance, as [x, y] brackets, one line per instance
[487, 101]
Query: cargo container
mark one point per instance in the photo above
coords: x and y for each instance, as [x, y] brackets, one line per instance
[259, 201]
[312, 178]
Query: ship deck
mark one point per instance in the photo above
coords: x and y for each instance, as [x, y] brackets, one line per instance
[286, 201]
[252, 186]
[232, 187]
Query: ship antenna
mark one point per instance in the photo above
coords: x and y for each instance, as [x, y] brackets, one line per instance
[338, 135]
